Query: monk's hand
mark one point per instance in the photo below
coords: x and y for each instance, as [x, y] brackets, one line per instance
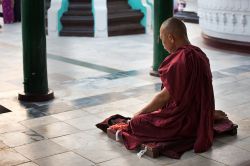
[137, 114]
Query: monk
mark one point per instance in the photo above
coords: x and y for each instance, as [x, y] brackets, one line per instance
[182, 115]
[184, 108]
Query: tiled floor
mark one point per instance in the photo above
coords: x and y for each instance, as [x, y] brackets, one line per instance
[93, 78]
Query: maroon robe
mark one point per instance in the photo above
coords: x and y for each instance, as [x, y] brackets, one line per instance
[187, 77]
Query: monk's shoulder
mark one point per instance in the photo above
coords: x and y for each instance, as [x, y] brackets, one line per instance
[193, 53]
[180, 56]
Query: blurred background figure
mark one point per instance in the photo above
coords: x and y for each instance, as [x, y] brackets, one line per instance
[1, 14]
[181, 5]
[8, 11]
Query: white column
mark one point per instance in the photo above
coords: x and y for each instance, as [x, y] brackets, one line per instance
[225, 19]
[53, 17]
[148, 16]
[99, 8]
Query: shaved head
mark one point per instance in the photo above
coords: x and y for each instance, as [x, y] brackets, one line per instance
[173, 34]
[175, 27]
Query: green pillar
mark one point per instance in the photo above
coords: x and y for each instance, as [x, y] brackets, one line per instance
[163, 9]
[34, 52]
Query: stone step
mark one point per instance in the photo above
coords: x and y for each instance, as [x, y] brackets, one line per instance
[77, 21]
[126, 29]
[116, 6]
[116, 1]
[78, 13]
[80, 6]
[77, 31]
[80, 1]
[125, 17]
[122, 19]
[122, 11]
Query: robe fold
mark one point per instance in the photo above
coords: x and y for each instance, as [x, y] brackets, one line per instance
[187, 77]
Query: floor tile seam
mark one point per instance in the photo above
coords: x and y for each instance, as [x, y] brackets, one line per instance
[120, 157]
[82, 156]
[101, 103]
[51, 113]
[233, 144]
[80, 130]
[27, 143]
[75, 151]
[229, 91]
[22, 163]
[27, 135]
[123, 91]
[49, 138]
[35, 118]
[232, 107]
[13, 131]
[33, 160]
[241, 147]
[64, 148]
[44, 139]
[203, 156]
[227, 74]
[19, 154]
[239, 79]
[236, 77]
[122, 95]
[84, 64]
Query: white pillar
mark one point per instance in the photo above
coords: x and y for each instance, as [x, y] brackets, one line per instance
[148, 16]
[53, 17]
[99, 9]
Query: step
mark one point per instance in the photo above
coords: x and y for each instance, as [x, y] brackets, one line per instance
[118, 5]
[116, 1]
[80, 1]
[78, 13]
[77, 20]
[76, 31]
[132, 16]
[126, 29]
[123, 11]
[80, 6]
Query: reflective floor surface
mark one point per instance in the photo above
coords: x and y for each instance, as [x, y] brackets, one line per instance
[93, 78]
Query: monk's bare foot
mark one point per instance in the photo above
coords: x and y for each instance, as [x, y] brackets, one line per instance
[219, 115]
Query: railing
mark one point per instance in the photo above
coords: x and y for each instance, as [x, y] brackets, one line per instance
[226, 19]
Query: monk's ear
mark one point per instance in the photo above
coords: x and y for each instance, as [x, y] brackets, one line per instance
[171, 38]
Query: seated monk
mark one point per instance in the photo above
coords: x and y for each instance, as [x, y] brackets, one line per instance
[182, 115]
[184, 108]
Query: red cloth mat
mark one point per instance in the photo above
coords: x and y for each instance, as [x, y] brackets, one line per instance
[173, 149]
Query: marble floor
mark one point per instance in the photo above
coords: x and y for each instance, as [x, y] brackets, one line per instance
[93, 78]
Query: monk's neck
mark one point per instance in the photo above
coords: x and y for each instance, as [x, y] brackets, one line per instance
[180, 44]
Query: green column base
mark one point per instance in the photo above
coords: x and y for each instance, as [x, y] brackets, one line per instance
[36, 97]
[154, 73]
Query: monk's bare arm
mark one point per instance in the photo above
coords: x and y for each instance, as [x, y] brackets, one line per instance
[158, 102]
